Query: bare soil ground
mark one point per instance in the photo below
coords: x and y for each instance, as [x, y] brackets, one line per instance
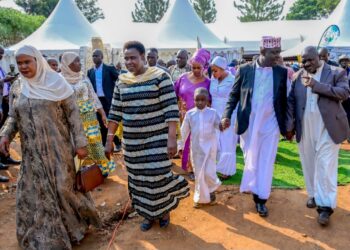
[232, 224]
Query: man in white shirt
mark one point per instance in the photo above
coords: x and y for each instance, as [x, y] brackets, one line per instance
[260, 91]
[103, 78]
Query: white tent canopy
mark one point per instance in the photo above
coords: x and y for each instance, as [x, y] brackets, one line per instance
[179, 28]
[341, 17]
[65, 29]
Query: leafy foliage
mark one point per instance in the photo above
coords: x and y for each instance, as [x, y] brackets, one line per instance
[15, 26]
[44, 7]
[259, 10]
[311, 9]
[206, 10]
[149, 11]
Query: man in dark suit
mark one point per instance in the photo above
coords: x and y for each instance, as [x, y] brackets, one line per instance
[103, 78]
[316, 115]
[323, 54]
[260, 90]
[344, 61]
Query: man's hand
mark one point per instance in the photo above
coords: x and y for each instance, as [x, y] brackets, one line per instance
[308, 81]
[10, 78]
[221, 127]
[109, 149]
[290, 135]
[225, 123]
[172, 147]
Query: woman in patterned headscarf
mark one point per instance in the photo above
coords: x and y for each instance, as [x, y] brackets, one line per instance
[50, 213]
[88, 103]
[185, 87]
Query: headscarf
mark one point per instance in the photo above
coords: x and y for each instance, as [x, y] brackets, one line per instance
[46, 84]
[201, 56]
[220, 62]
[71, 76]
[151, 73]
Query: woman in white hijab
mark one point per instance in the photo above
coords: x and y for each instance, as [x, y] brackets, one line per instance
[220, 89]
[88, 103]
[50, 214]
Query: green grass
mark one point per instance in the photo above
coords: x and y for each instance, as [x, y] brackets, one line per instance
[288, 172]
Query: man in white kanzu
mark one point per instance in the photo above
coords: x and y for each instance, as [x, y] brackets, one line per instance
[316, 115]
[260, 90]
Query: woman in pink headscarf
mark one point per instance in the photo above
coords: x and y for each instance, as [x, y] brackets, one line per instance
[185, 87]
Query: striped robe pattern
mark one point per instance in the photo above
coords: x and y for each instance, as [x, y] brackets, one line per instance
[144, 109]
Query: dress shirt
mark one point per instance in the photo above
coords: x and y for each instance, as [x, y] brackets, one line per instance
[99, 81]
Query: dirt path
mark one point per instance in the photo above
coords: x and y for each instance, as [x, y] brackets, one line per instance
[232, 224]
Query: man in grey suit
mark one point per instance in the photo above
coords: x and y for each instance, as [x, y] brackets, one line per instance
[317, 117]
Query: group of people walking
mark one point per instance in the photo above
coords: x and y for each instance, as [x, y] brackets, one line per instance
[55, 115]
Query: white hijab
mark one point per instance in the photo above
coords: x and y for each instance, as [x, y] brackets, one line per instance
[46, 84]
[71, 76]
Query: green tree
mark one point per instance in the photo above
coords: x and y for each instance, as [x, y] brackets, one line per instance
[90, 10]
[44, 7]
[311, 9]
[259, 10]
[206, 10]
[149, 11]
[15, 26]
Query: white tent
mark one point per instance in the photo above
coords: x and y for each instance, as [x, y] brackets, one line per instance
[118, 27]
[248, 35]
[341, 17]
[179, 28]
[65, 29]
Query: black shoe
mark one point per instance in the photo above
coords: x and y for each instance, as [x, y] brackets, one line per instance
[323, 218]
[10, 161]
[3, 166]
[4, 179]
[311, 203]
[262, 210]
[164, 223]
[212, 197]
[146, 225]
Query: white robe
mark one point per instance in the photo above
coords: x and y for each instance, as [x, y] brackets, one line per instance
[260, 141]
[202, 125]
[318, 153]
[227, 140]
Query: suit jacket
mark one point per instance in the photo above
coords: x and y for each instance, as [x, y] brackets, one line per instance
[332, 89]
[332, 63]
[242, 93]
[109, 78]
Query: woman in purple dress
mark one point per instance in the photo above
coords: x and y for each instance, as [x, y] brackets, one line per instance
[185, 87]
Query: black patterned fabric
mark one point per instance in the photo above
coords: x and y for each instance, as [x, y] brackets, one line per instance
[145, 109]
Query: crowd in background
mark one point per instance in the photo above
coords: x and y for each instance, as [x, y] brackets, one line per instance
[196, 107]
